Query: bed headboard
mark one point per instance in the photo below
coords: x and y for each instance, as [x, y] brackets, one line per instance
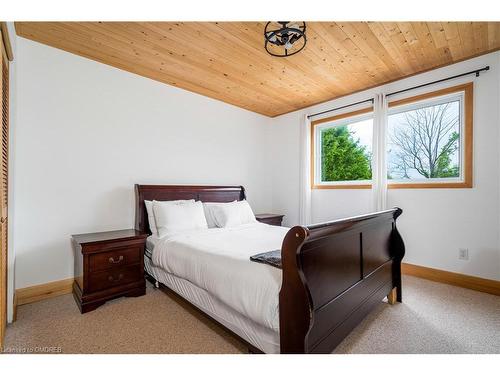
[175, 192]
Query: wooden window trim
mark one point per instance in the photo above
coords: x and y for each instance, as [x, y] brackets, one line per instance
[313, 151]
[467, 88]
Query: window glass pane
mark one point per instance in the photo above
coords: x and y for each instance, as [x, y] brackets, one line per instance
[346, 151]
[424, 142]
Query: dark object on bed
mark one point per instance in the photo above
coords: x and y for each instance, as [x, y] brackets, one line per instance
[271, 258]
[334, 273]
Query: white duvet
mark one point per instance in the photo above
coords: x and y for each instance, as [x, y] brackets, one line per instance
[217, 260]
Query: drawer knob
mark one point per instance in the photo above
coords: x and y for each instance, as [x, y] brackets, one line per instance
[111, 278]
[112, 260]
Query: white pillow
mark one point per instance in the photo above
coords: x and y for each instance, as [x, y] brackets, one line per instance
[174, 218]
[151, 217]
[208, 207]
[233, 214]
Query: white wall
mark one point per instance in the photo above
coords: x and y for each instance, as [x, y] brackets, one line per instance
[435, 222]
[87, 132]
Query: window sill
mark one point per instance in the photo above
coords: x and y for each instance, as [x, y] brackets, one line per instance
[432, 185]
[353, 186]
[418, 185]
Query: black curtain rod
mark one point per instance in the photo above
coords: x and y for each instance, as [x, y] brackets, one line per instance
[476, 72]
[338, 108]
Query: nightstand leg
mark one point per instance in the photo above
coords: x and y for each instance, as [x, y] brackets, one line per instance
[88, 307]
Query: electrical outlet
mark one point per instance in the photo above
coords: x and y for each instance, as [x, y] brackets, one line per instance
[463, 254]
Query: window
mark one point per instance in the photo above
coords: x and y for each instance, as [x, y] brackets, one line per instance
[429, 144]
[428, 140]
[342, 150]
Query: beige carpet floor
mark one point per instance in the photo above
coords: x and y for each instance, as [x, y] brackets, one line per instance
[433, 318]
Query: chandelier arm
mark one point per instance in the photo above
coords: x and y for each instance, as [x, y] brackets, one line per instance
[272, 31]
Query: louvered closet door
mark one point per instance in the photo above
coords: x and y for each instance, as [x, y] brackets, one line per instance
[4, 136]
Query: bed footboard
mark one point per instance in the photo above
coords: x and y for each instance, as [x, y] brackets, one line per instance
[334, 274]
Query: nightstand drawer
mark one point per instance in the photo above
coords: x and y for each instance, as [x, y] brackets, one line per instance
[114, 277]
[113, 259]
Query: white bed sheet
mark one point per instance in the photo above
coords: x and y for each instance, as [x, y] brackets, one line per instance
[217, 261]
[261, 337]
[151, 241]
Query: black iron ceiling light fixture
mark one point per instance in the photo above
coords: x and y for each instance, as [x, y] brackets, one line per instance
[285, 38]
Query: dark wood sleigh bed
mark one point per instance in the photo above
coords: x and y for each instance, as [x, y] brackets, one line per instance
[334, 273]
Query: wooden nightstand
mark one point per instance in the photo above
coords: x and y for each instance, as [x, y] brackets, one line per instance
[271, 219]
[108, 265]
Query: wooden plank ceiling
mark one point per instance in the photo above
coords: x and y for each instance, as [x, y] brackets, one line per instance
[227, 60]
